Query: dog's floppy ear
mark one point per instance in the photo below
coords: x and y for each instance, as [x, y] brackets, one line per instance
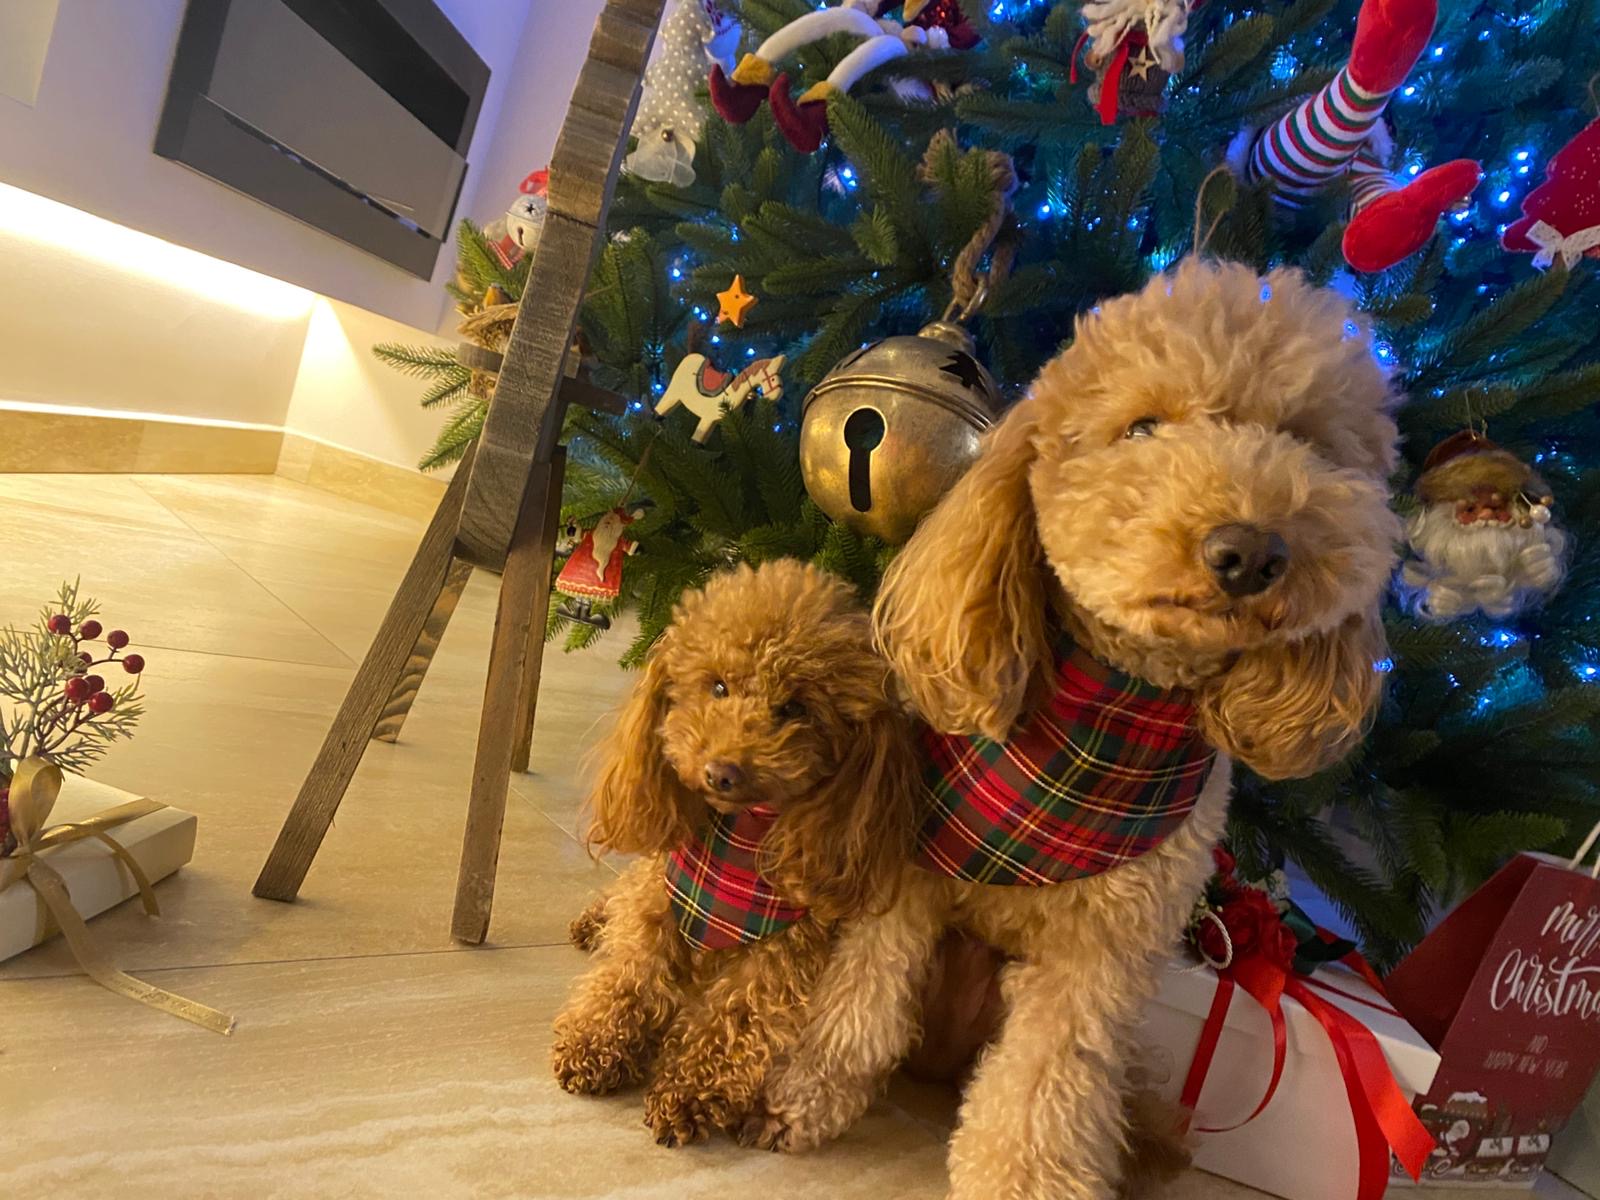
[1288, 711]
[961, 614]
[841, 850]
[638, 805]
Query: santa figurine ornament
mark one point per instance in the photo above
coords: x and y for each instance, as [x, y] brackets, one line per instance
[1135, 47]
[1339, 131]
[1484, 537]
[926, 25]
[1561, 217]
[593, 575]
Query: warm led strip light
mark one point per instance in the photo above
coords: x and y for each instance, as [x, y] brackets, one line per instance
[48, 222]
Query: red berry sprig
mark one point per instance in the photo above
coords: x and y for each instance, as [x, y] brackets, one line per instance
[84, 695]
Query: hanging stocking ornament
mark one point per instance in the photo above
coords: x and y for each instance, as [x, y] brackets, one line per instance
[1339, 131]
[1485, 537]
[928, 25]
[1561, 217]
[670, 120]
[1134, 48]
[593, 575]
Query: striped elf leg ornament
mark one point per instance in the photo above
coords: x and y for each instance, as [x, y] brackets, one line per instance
[1317, 142]
[1339, 131]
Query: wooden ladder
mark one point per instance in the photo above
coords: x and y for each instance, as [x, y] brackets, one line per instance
[501, 509]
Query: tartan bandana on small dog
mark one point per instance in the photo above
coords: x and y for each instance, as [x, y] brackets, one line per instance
[1103, 773]
[718, 896]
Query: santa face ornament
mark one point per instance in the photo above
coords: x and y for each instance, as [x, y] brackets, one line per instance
[1485, 538]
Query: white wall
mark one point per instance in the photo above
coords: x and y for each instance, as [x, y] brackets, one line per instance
[94, 318]
[344, 396]
[95, 315]
[535, 101]
[87, 141]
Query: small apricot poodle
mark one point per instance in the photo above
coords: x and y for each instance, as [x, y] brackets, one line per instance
[1170, 555]
[766, 775]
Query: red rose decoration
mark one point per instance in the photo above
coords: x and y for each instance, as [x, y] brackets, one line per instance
[1226, 863]
[1251, 918]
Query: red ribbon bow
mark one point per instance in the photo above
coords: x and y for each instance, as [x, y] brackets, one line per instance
[1384, 1120]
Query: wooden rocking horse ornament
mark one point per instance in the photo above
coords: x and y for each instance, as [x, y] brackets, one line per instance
[501, 509]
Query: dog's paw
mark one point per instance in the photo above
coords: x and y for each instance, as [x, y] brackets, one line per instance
[678, 1117]
[767, 1129]
[762, 1130]
[587, 926]
[590, 1063]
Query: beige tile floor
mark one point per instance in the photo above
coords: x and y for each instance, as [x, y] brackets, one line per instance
[373, 1056]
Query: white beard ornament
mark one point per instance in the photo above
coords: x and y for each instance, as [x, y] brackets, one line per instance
[1485, 538]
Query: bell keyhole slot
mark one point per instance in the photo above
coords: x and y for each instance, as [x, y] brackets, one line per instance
[863, 433]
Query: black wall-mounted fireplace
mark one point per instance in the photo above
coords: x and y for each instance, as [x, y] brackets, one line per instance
[353, 115]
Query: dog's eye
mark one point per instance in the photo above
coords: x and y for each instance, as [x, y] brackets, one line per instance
[791, 710]
[1142, 428]
[719, 689]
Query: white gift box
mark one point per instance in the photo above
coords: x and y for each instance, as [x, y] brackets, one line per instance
[160, 842]
[1303, 1144]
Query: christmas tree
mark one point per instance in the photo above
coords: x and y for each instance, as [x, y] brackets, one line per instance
[1487, 740]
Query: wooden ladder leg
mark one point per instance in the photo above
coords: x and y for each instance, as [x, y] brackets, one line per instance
[314, 808]
[528, 701]
[393, 718]
[524, 597]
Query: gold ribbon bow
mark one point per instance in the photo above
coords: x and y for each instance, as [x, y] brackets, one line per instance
[34, 789]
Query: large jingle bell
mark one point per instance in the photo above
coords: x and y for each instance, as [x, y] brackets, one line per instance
[891, 428]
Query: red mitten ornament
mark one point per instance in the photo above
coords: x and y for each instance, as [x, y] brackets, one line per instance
[1561, 217]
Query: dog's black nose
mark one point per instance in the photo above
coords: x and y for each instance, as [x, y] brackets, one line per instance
[723, 776]
[1245, 560]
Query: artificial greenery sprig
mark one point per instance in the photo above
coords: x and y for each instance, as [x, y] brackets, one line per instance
[53, 703]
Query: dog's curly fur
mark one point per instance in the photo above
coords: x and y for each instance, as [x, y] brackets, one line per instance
[704, 1026]
[1271, 412]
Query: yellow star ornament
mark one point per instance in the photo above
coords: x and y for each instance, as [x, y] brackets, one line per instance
[735, 303]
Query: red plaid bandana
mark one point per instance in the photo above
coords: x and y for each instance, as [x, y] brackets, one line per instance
[718, 896]
[1101, 774]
